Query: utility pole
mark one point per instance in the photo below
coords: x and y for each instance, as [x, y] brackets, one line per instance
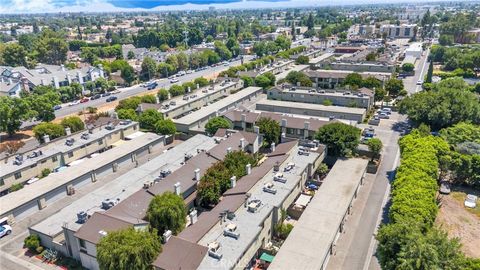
[185, 37]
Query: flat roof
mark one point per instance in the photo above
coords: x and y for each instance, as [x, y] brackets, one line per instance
[327, 93]
[123, 186]
[320, 58]
[249, 225]
[311, 106]
[55, 180]
[59, 146]
[217, 106]
[199, 94]
[308, 244]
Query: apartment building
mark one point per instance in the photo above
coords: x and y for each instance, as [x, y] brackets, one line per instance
[399, 31]
[333, 79]
[56, 154]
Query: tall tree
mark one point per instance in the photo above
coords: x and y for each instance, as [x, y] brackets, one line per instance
[12, 112]
[270, 129]
[167, 212]
[128, 249]
[341, 139]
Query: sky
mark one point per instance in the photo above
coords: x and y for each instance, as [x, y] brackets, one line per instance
[50, 6]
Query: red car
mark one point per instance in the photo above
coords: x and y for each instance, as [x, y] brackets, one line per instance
[83, 100]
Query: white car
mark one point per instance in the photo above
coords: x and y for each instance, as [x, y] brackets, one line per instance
[5, 230]
[419, 82]
[471, 201]
[383, 116]
[75, 102]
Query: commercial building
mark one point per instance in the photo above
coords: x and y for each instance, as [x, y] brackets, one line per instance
[414, 50]
[331, 79]
[52, 75]
[292, 126]
[231, 234]
[361, 98]
[58, 153]
[190, 102]
[195, 121]
[131, 211]
[312, 240]
[38, 195]
[315, 110]
[399, 31]
[58, 231]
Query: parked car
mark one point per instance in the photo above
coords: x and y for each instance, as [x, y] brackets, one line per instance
[111, 98]
[106, 94]
[75, 102]
[85, 99]
[419, 82]
[383, 116]
[97, 96]
[57, 107]
[174, 80]
[471, 201]
[152, 86]
[5, 230]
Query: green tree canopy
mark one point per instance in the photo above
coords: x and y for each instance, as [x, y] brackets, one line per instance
[128, 249]
[129, 103]
[375, 146]
[302, 60]
[341, 139]
[262, 81]
[12, 112]
[162, 94]
[165, 127]
[295, 77]
[127, 114]
[394, 86]
[270, 129]
[74, 123]
[408, 67]
[354, 80]
[149, 118]
[167, 212]
[215, 123]
[47, 128]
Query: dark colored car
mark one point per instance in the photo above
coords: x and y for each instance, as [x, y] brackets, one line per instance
[111, 98]
[97, 96]
[152, 86]
[57, 107]
[106, 94]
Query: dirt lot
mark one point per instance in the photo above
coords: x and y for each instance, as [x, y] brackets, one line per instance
[461, 222]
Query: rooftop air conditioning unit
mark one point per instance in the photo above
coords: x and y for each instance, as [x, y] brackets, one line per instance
[231, 231]
[213, 250]
[107, 204]
[147, 184]
[69, 142]
[269, 188]
[254, 205]
[166, 236]
[85, 136]
[110, 126]
[82, 217]
[279, 178]
[289, 167]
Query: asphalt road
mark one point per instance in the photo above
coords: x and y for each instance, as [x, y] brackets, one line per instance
[421, 69]
[137, 89]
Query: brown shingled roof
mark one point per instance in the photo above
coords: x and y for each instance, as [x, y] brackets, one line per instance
[189, 255]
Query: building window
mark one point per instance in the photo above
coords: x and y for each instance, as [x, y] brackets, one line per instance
[54, 159]
[33, 165]
[18, 175]
[2, 182]
[82, 244]
[100, 142]
[70, 154]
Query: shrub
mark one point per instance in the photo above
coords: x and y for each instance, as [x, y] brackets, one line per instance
[74, 123]
[32, 242]
[216, 123]
[16, 187]
[45, 172]
[51, 129]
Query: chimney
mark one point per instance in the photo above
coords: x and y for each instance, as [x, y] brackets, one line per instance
[233, 181]
[229, 150]
[248, 168]
[198, 85]
[193, 216]
[272, 147]
[43, 82]
[189, 90]
[46, 138]
[140, 107]
[242, 143]
[284, 122]
[114, 115]
[283, 137]
[256, 129]
[299, 84]
[197, 174]
[68, 132]
[62, 67]
[10, 81]
[69, 79]
[178, 188]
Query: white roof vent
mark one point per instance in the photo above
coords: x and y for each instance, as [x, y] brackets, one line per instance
[270, 188]
[231, 231]
[213, 250]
